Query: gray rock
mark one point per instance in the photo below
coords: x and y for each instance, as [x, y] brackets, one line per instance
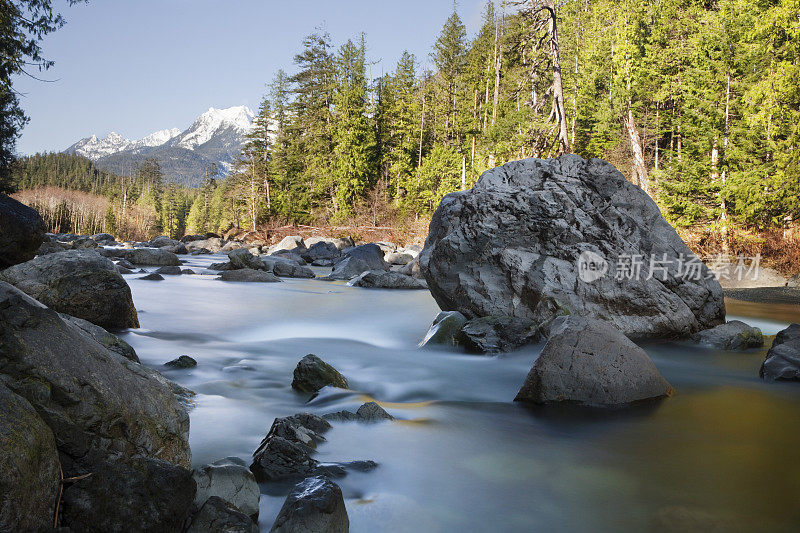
[29, 464]
[21, 232]
[380, 279]
[591, 362]
[84, 243]
[398, 258]
[242, 258]
[323, 263]
[187, 271]
[184, 361]
[219, 516]
[212, 245]
[98, 404]
[123, 270]
[220, 266]
[386, 247]
[315, 505]
[356, 260]
[169, 271]
[445, 329]
[412, 269]
[286, 268]
[125, 264]
[139, 494]
[153, 277]
[292, 256]
[80, 283]
[312, 373]
[286, 450]
[249, 275]
[290, 244]
[511, 246]
[323, 250]
[179, 248]
[103, 238]
[109, 340]
[232, 245]
[340, 243]
[161, 241]
[733, 335]
[368, 413]
[494, 334]
[783, 358]
[186, 239]
[52, 247]
[152, 257]
[231, 480]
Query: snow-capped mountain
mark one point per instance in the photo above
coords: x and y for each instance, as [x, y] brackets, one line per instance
[215, 137]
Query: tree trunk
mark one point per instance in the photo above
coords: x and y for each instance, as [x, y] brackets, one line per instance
[421, 131]
[498, 61]
[639, 168]
[558, 87]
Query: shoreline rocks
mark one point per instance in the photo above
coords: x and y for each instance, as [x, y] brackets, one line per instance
[22, 231]
[380, 279]
[731, 336]
[783, 358]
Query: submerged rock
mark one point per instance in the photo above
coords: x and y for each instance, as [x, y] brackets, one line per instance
[733, 335]
[445, 329]
[80, 283]
[21, 232]
[315, 505]
[248, 275]
[369, 412]
[231, 480]
[153, 277]
[184, 361]
[217, 515]
[29, 464]
[535, 238]
[783, 358]
[591, 362]
[312, 373]
[139, 494]
[380, 279]
[494, 334]
[98, 404]
[169, 271]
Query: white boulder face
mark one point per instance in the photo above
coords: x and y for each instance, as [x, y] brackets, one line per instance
[514, 243]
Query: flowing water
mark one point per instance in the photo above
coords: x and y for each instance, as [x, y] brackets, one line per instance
[722, 454]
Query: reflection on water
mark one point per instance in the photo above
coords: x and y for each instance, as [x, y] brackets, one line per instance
[722, 454]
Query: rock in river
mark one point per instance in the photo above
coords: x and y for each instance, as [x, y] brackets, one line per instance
[783, 358]
[590, 362]
[286, 450]
[231, 480]
[733, 335]
[312, 373]
[368, 413]
[358, 259]
[446, 329]
[29, 464]
[537, 238]
[21, 232]
[380, 279]
[152, 257]
[80, 283]
[249, 275]
[242, 258]
[219, 516]
[315, 505]
[184, 361]
[494, 334]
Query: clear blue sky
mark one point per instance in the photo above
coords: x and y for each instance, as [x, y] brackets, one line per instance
[137, 66]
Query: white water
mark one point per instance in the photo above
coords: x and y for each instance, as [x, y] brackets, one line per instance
[723, 452]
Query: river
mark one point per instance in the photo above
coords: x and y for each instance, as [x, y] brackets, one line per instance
[721, 454]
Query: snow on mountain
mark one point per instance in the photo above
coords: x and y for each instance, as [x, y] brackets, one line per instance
[212, 122]
[158, 138]
[95, 148]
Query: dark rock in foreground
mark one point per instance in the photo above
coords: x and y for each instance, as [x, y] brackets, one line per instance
[184, 361]
[80, 283]
[783, 357]
[495, 334]
[380, 279]
[733, 335]
[217, 515]
[29, 465]
[21, 232]
[315, 505]
[591, 362]
[535, 239]
[286, 450]
[138, 494]
[312, 373]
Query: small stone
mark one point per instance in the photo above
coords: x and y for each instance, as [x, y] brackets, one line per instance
[184, 361]
[169, 271]
[783, 358]
[312, 373]
[153, 277]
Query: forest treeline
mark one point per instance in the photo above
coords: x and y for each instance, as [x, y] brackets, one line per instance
[696, 102]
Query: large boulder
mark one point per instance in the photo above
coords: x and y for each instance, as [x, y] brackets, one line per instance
[29, 464]
[287, 268]
[537, 238]
[135, 495]
[286, 451]
[21, 232]
[312, 373]
[590, 362]
[109, 340]
[219, 516]
[323, 250]
[380, 279]
[292, 243]
[152, 257]
[315, 505]
[162, 241]
[80, 283]
[340, 242]
[733, 335]
[231, 480]
[99, 405]
[783, 358]
[242, 258]
[249, 275]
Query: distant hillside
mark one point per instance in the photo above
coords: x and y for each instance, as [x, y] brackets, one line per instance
[215, 137]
